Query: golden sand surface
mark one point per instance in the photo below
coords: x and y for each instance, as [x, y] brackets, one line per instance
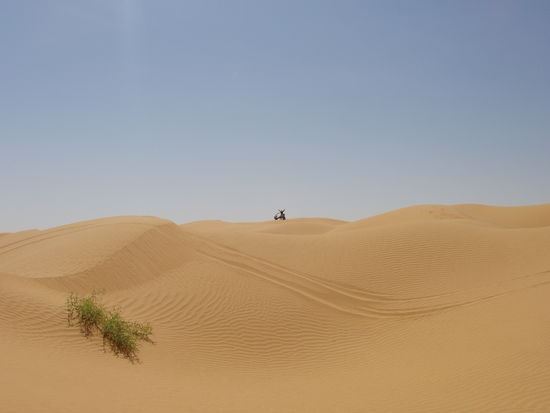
[430, 308]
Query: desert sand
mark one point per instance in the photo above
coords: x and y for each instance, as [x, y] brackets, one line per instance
[429, 308]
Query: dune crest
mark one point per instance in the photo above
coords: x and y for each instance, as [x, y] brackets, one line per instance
[428, 308]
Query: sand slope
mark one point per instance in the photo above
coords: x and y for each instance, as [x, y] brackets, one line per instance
[425, 309]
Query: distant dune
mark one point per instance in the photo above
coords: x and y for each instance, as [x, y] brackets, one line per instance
[430, 308]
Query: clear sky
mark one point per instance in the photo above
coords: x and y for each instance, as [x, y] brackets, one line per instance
[229, 109]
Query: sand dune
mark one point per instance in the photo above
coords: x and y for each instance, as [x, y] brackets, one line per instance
[429, 308]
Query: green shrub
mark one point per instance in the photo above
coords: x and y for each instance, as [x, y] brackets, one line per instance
[122, 336]
[87, 311]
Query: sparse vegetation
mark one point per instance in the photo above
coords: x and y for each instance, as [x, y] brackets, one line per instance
[122, 336]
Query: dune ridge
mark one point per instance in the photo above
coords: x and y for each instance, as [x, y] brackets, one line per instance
[428, 308]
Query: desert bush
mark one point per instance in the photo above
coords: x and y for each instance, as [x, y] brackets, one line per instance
[87, 311]
[122, 336]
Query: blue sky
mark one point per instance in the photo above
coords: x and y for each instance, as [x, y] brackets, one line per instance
[231, 109]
